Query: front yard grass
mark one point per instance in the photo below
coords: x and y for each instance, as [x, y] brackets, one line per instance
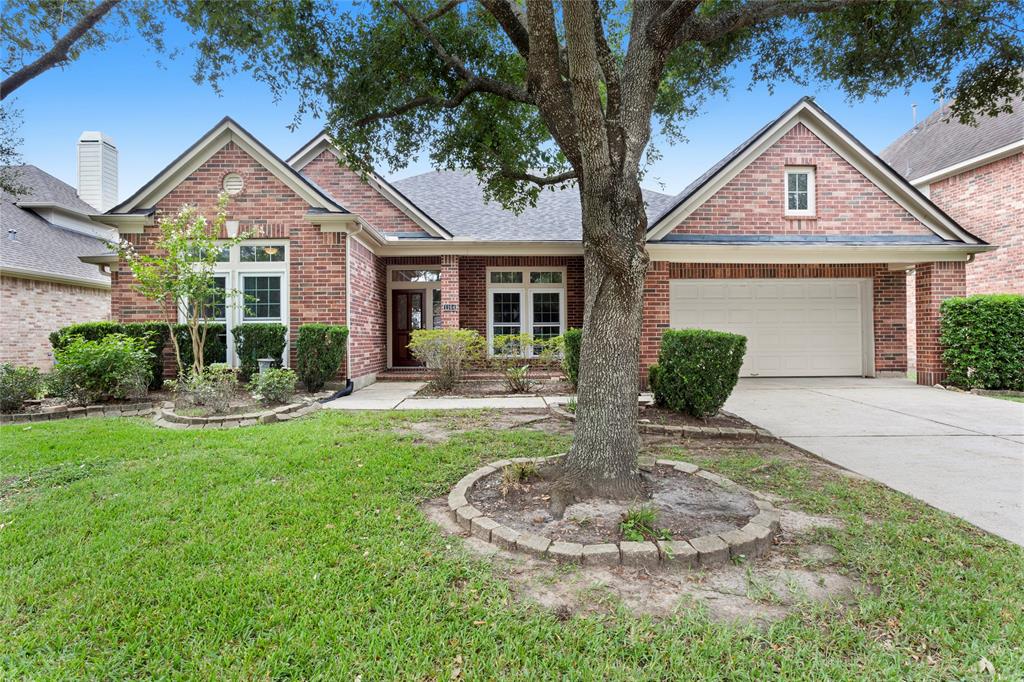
[298, 551]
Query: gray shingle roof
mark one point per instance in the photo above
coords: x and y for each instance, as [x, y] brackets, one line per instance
[42, 247]
[934, 144]
[455, 199]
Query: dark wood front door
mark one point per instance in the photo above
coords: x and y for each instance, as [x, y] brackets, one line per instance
[408, 314]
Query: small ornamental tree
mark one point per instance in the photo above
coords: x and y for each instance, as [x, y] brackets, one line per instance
[181, 274]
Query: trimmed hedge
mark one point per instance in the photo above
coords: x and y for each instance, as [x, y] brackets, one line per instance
[156, 335]
[982, 341]
[571, 342]
[255, 340]
[319, 352]
[697, 369]
[214, 351]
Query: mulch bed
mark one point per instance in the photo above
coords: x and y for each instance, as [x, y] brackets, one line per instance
[665, 417]
[490, 388]
[686, 506]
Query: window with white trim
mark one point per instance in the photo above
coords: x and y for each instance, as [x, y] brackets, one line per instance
[799, 190]
[525, 301]
[252, 286]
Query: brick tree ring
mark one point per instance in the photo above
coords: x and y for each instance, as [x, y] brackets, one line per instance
[750, 540]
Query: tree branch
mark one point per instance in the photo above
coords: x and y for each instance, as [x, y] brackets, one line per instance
[417, 102]
[539, 180]
[752, 13]
[477, 83]
[513, 21]
[441, 10]
[59, 51]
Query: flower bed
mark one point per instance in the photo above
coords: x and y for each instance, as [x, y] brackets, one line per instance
[169, 419]
[57, 412]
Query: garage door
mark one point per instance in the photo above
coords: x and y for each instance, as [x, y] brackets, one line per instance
[794, 327]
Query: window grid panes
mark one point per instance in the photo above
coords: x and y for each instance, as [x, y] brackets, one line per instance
[547, 315]
[216, 309]
[507, 277]
[436, 309]
[261, 254]
[798, 197]
[506, 313]
[543, 277]
[262, 297]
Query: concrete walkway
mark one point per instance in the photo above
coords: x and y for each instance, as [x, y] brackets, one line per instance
[956, 451]
[398, 395]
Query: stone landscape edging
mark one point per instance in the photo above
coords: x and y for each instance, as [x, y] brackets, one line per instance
[167, 418]
[684, 432]
[65, 412]
[749, 541]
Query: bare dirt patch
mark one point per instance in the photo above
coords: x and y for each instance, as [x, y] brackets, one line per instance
[652, 414]
[685, 506]
[760, 592]
[442, 429]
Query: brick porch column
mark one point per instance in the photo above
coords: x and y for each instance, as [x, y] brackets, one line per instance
[656, 314]
[450, 292]
[935, 282]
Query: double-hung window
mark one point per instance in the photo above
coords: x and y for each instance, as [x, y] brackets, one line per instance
[525, 301]
[799, 190]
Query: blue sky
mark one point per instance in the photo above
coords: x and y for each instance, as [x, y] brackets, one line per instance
[154, 111]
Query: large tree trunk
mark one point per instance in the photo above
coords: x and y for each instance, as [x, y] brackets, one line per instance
[602, 461]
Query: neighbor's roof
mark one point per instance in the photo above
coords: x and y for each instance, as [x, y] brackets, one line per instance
[455, 199]
[934, 144]
[40, 247]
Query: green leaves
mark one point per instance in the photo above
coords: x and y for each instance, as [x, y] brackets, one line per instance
[982, 341]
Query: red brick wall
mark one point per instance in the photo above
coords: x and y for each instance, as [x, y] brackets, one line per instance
[753, 202]
[31, 309]
[368, 327]
[935, 283]
[989, 202]
[267, 208]
[450, 292]
[888, 291]
[357, 196]
[473, 285]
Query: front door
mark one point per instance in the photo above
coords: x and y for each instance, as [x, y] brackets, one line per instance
[408, 315]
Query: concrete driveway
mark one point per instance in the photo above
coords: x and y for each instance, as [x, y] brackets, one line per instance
[956, 451]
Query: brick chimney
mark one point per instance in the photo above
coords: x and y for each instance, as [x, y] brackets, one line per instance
[97, 170]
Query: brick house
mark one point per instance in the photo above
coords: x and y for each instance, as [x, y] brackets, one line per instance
[976, 175]
[800, 238]
[43, 283]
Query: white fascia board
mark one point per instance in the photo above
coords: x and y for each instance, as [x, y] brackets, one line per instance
[833, 253]
[203, 150]
[129, 223]
[349, 223]
[969, 164]
[301, 158]
[23, 273]
[436, 247]
[849, 149]
[68, 219]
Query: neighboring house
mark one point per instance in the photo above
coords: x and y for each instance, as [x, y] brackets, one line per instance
[43, 284]
[976, 175]
[800, 238]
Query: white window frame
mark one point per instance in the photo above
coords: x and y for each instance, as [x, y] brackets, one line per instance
[233, 270]
[526, 291]
[811, 203]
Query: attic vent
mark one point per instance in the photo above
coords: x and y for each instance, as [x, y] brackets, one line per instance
[233, 183]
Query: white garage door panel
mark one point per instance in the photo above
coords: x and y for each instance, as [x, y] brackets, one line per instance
[795, 327]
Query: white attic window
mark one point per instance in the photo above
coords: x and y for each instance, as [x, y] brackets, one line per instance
[800, 190]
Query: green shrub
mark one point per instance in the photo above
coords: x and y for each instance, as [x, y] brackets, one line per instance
[18, 384]
[982, 341]
[447, 352]
[215, 351]
[115, 366]
[213, 388]
[273, 385]
[696, 370]
[155, 334]
[571, 340]
[319, 352]
[256, 340]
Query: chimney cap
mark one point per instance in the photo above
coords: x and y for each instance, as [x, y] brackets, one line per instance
[95, 136]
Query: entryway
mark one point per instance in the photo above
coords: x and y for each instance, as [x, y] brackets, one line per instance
[407, 310]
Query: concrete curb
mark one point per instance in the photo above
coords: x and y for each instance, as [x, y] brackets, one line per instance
[684, 432]
[750, 541]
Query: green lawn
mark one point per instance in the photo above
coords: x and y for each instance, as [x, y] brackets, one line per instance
[297, 551]
[1012, 398]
